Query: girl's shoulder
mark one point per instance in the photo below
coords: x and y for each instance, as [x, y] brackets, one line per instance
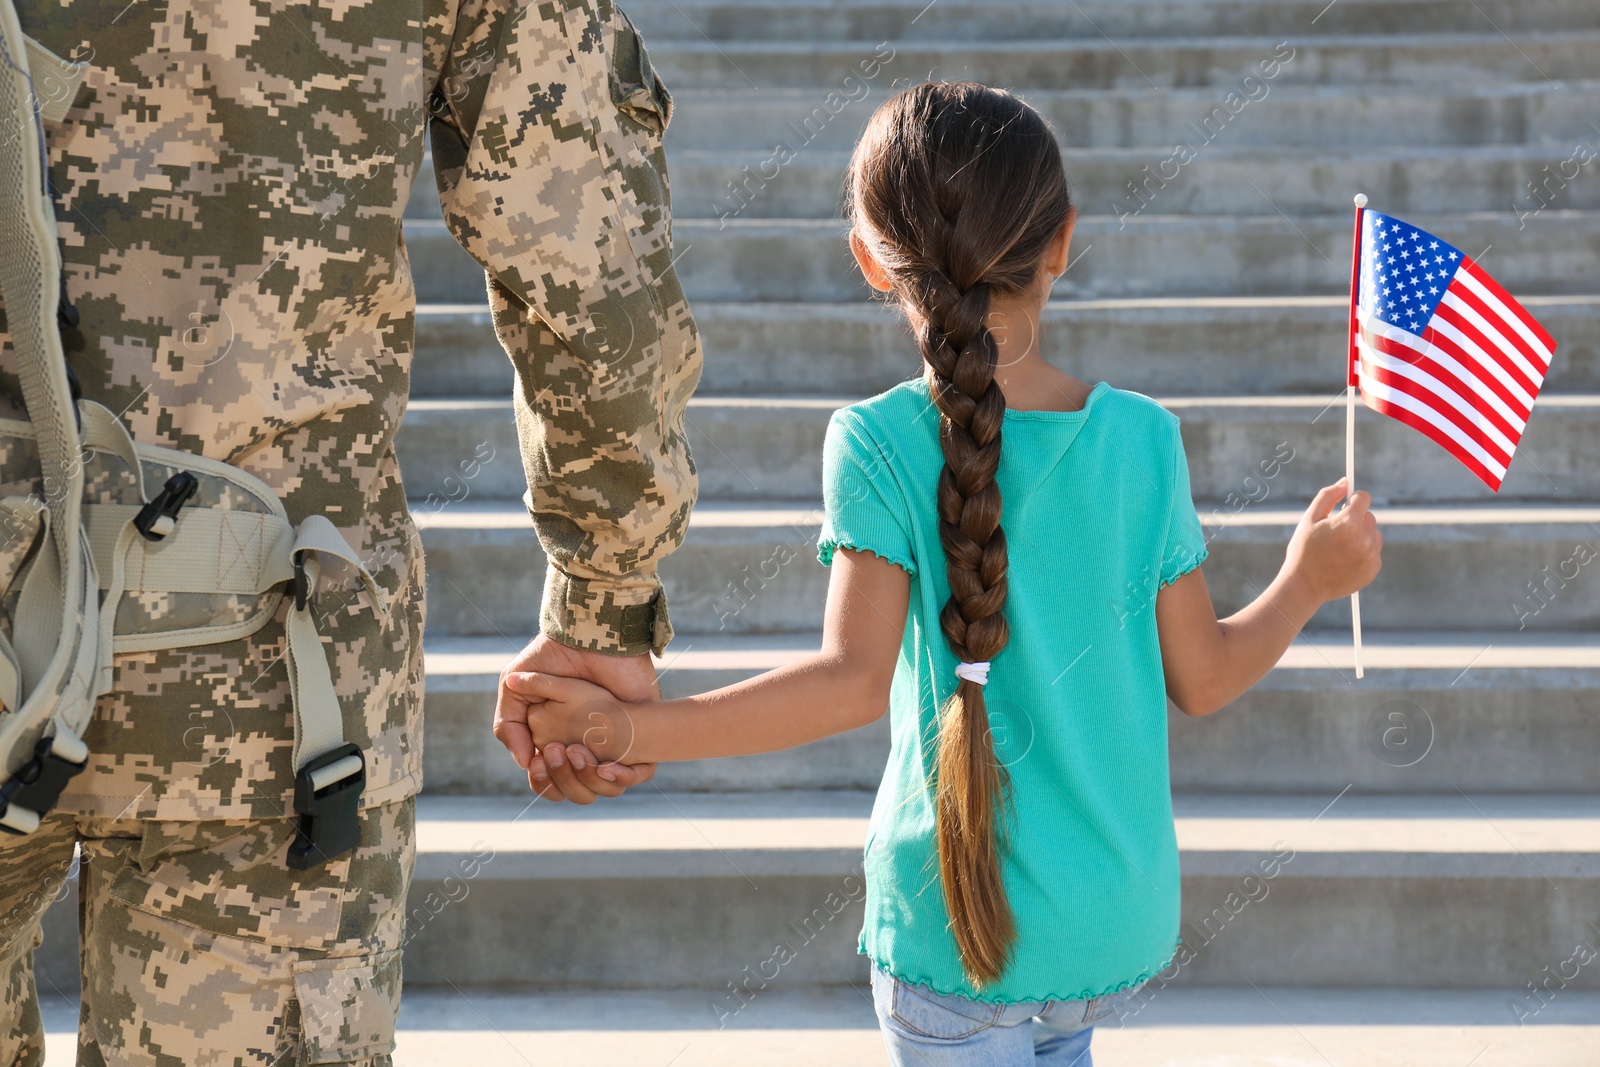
[893, 406]
[900, 417]
[1138, 423]
[1138, 411]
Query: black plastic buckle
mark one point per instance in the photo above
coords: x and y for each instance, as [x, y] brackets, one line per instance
[301, 584]
[167, 503]
[329, 826]
[39, 783]
[75, 390]
[67, 322]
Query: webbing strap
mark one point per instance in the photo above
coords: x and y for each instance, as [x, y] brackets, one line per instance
[94, 647]
[39, 605]
[10, 679]
[55, 80]
[38, 619]
[316, 534]
[115, 586]
[318, 723]
[103, 430]
[210, 550]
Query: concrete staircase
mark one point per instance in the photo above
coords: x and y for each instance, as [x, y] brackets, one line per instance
[1440, 817]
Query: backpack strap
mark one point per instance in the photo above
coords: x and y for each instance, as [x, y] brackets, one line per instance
[330, 772]
[30, 284]
[58, 647]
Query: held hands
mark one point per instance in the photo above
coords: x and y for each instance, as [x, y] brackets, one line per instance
[570, 772]
[1336, 553]
[570, 711]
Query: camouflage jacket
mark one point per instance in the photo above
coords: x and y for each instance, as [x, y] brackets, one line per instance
[230, 181]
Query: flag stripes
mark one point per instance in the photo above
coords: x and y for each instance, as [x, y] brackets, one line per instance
[1441, 347]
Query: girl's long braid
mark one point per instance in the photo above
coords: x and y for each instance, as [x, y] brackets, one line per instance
[960, 357]
[961, 189]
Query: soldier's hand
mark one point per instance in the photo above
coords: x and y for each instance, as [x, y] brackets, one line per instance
[571, 772]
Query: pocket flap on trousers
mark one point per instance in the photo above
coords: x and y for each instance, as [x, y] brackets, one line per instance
[347, 1006]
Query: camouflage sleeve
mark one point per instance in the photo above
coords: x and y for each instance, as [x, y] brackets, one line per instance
[547, 149]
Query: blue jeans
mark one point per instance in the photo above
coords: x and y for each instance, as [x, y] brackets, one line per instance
[927, 1029]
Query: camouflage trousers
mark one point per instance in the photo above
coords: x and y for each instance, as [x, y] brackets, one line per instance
[201, 948]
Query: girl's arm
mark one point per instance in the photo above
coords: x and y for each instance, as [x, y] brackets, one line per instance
[1209, 662]
[844, 686]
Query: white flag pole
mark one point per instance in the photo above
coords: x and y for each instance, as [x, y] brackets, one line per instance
[1351, 388]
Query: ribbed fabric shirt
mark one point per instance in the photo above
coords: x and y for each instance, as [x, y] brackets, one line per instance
[1098, 517]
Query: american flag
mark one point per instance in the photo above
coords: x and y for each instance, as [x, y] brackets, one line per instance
[1443, 348]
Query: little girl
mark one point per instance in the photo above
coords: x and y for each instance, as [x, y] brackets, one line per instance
[1026, 663]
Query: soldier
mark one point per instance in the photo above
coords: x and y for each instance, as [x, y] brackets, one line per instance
[229, 184]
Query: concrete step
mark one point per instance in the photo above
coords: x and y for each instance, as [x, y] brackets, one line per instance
[1236, 346]
[751, 183]
[665, 890]
[721, 20]
[1094, 62]
[1453, 112]
[1140, 256]
[762, 448]
[753, 570]
[662, 890]
[781, 1025]
[788, 1026]
[1127, 181]
[1495, 712]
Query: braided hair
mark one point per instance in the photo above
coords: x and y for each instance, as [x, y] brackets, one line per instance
[958, 190]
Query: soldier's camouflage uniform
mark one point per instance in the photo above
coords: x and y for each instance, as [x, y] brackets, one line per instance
[230, 182]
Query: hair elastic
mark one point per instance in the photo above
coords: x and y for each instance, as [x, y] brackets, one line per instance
[974, 672]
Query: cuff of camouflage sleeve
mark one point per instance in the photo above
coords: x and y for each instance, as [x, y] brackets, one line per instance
[600, 616]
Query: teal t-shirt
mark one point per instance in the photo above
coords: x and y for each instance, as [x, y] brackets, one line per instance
[1097, 516]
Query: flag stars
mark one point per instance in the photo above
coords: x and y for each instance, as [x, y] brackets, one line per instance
[1403, 298]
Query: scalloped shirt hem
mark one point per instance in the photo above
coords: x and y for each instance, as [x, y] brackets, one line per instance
[1056, 998]
[828, 546]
